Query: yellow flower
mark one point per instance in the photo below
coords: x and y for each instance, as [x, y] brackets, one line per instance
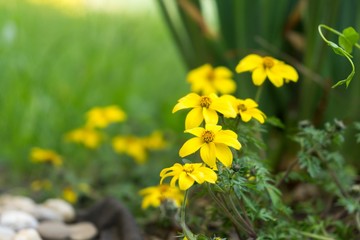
[101, 117]
[188, 174]
[213, 143]
[262, 67]
[203, 108]
[132, 146]
[206, 80]
[89, 137]
[69, 195]
[39, 155]
[38, 185]
[154, 196]
[247, 109]
[155, 141]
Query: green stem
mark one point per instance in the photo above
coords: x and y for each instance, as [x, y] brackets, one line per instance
[247, 223]
[189, 235]
[258, 94]
[239, 228]
[333, 31]
[315, 236]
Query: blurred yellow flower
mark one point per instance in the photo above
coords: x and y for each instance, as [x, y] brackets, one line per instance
[132, 146]
[154, 196]
[213, 143]
[69, 195]
[188, 174]
[38, 185]
[90, 138]
[206, 79]
[262, 67]
[203, 108]
[247, 109]
[40, 155]
[101, 117]
[155, 141]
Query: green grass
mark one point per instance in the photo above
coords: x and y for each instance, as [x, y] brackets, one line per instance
[58, 66]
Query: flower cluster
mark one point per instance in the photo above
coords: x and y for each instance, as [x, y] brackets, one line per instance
[96, 118]
[136, 147]
[40, 155]
[211, 107]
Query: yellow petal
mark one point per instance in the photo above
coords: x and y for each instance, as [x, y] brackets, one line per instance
[224, 106]
[249, 63]
[189, 101]
[213, 128]
[249, 103]
[287, 72]
[208, 154]
[223, 153]
[198, 131]
[257, 114]
[275, 78]
[194, 118]
[245, 116]
[199, 73]
[185, 181]
[226, 137]
[222, 72]
[225, 86]
[209, 175]
[210, 116]
[258, 76]
[190, 146]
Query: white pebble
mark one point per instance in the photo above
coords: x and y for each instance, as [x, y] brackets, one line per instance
[18, 220]
[6, 233]
[62, 207]
[27, 234]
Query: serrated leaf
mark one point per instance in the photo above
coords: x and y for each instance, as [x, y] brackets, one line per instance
[276, 122]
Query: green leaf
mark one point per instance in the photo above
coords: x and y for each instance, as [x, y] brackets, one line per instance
[276, 122]
[348, 39]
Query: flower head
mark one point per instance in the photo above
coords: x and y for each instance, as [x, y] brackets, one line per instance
[89, 137]
[154, 196]
[203, 108]
[40, 155]
[247, 109]
[69, 195]
[101, 117]
[155, 141]
[206, 79]
[132, 146]
[262, 67]
[213, 143]
[188, 174]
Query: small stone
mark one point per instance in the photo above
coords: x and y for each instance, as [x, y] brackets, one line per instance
[20, 203]
[18, 220]
[43, 213]
[6, 233]
[53, 230]
[27, 234]
[82, 231]
[65, 210]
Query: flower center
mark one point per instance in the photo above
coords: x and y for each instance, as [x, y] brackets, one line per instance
[188, 168]
[242, 107]
[205, 102]
[208, 136]
[268, 62]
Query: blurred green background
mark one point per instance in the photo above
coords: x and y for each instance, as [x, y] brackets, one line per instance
[57, 63]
